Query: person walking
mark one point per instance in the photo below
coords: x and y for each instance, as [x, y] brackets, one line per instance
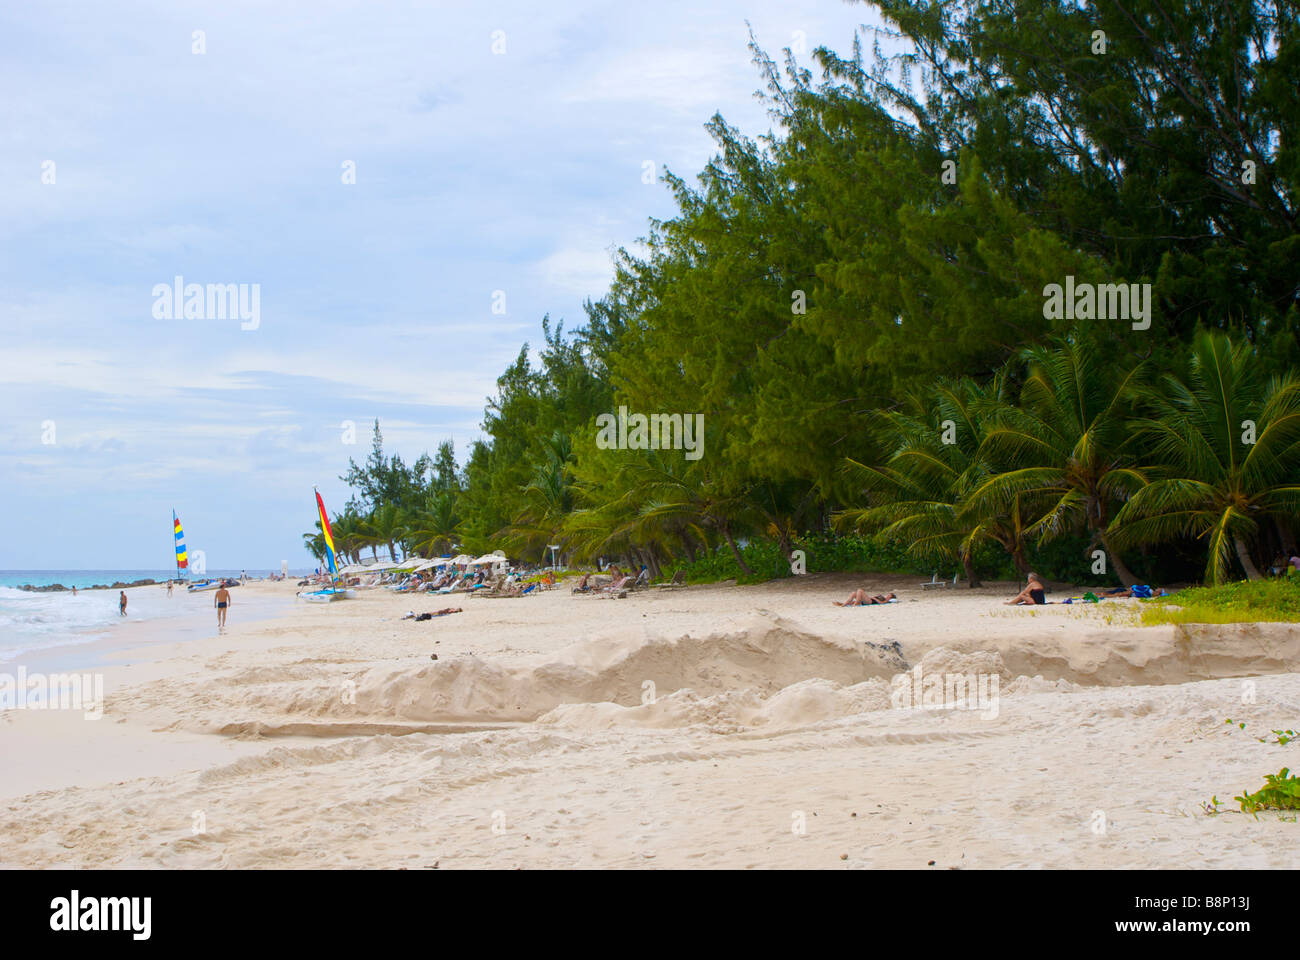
[221, 600]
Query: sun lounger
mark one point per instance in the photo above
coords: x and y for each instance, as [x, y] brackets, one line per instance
[678, 580]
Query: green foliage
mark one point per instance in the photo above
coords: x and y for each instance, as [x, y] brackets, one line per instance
[1273, 601]
[823, 554]
[866, 340]
[1281, 791]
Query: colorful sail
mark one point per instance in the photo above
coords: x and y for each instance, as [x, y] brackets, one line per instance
[182, 559]
[325, 531]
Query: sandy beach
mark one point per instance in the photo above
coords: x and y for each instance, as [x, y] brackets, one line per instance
[709, 726]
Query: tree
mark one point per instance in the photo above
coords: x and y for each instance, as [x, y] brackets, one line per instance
[1229, 445]
[938, 455]
[385, 527]
[1068, 441]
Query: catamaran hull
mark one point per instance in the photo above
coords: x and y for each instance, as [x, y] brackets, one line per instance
[327, 596]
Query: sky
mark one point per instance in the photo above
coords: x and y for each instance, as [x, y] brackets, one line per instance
[381, 174]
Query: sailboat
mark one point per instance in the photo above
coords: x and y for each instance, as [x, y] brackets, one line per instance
[183, 562]
[332, 592]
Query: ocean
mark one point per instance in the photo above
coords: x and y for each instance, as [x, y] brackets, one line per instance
[32, 622]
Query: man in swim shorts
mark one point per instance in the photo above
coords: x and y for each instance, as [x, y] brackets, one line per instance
[221, 600]
[121, 603]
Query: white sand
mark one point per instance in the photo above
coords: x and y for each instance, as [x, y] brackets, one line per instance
[702, 726]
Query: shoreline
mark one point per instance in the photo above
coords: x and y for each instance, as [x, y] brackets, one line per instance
[94, 646]
[676, 727]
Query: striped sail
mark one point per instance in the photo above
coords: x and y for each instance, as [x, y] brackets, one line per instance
[182, 561]
[325, 530]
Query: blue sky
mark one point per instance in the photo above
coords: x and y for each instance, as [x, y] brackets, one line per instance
[475, 172]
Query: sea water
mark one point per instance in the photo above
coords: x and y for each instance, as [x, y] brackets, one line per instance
[31, 621]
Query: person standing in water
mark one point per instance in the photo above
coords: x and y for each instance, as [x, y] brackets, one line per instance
[221, 600]
[121, 603]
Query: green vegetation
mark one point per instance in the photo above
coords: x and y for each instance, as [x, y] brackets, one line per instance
[1281, 791]
[1255, 601]
[857, 304]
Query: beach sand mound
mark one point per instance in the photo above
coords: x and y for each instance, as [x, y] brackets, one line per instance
[763, 671]
[800, 704]
[766, 654]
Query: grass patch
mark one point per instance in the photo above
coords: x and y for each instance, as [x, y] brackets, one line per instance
[1247, 601]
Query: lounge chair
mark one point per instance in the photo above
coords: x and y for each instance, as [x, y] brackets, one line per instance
[618, 587]
[678, 580]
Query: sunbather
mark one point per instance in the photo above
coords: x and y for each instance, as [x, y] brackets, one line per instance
[860, 598]
[616, 585]
[1034, 593]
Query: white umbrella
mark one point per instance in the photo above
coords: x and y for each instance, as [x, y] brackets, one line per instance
[381, 565]
[458, 560]
[488, 558]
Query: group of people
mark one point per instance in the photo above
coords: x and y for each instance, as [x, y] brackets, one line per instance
[1034, 593]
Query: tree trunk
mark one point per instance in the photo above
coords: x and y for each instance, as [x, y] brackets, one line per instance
[1287, 536]
[968, 565]
[1018, 557]
[740, 560]
[1117, 563]
[1247, 563]
[787, 545]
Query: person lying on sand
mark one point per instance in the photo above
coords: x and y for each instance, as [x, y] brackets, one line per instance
[860, 598]
[1034, 593]
[1140, 590]
[437, 613]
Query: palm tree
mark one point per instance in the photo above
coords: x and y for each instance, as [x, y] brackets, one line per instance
[315, 543]
[432, 530]
[549, 497]
[919, 496]
[651, 504]
[348, 536]
[1066, 444]
[1230, 450]
[384, 527]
